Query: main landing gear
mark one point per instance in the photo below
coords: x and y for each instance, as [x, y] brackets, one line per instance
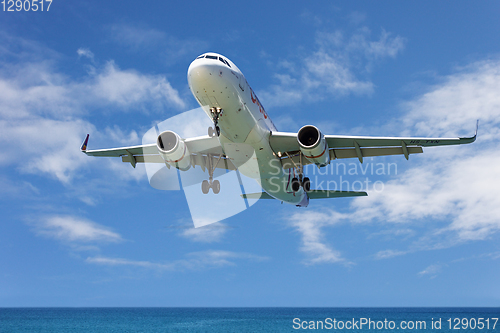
[298, 182]
[216, 113]
[301, 181]
[206, 185]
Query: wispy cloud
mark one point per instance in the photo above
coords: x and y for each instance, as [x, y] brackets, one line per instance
[432, 271]
[484, 256]
[310, 226]
[17, 189]
[126, 262]
[208, 234]
[71, 229]
[330, 69]
[357, 18]
[386, 46]
[85, 52]
[401, 233]
[140, 39]
[385, 254]
[193, 261]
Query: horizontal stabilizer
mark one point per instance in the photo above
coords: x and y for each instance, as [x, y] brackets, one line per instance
[261, 195]
[325, 194]
[313, 194]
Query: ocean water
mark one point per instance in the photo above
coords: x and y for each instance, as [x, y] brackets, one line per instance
[249, 319]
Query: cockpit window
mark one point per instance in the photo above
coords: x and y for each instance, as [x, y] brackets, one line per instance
[215, 58]
[224, 61]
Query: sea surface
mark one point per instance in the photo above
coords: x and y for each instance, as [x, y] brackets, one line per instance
[249, 319]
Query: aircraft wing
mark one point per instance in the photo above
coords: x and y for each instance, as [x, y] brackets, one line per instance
[342, 146]
[201, 148]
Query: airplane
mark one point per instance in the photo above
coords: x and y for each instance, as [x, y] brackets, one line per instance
[242, 131]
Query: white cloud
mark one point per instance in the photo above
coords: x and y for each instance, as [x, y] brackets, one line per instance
[449, 194]
[41, 109]
[117, 135]
[84, 52]
[47, 146]
[386, 46]
[310, 224]
[494, 255]
[207, 234]
[88, 200]
[432, 270]
[330, 68]
[35, 88]
[74, 229]
[326, 69]
[457, 102]
[128, 87]
[448, 183]
[193, 261]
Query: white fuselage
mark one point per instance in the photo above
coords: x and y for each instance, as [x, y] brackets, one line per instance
[217, 83]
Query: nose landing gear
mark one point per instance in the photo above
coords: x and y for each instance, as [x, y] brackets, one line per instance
[216, 113]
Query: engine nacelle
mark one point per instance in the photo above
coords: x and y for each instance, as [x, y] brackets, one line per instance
[313, 145]
[174, 150]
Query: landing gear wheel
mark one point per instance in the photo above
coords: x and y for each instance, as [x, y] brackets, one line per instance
[216, 186]
[205, 186]
[306, 184]
[217, 129]
[295, 184]
[210, 132]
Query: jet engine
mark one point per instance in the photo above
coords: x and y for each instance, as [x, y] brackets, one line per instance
[313, 145]
[174, 150]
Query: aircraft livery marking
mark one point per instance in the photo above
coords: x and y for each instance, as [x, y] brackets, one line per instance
[255, 100]
[423, 141]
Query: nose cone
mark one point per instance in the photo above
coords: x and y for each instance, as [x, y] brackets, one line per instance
[203, 74]
[200, 71]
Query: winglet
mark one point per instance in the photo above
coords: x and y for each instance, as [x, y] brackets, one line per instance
[84, 145]
[472, 138]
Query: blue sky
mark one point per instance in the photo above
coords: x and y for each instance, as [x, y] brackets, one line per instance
[82, 231]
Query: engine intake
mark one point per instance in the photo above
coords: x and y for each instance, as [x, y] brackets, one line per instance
[174, 150]
[313, 145]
